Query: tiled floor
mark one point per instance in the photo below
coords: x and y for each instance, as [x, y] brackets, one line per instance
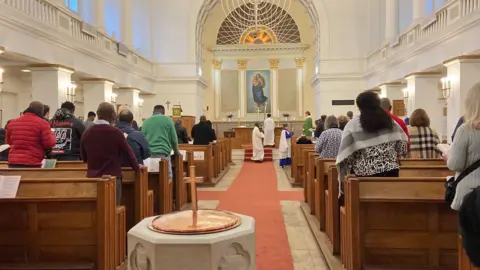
[305, 253]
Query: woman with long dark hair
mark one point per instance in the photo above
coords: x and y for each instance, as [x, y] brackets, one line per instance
[371, 143]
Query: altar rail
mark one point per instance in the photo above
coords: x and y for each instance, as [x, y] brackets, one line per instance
[67, 22]
[429, 29]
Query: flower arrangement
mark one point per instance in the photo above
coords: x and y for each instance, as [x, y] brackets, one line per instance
[286, 114]
[229, 115]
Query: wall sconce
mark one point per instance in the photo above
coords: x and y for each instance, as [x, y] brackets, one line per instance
[113, 98]
[140, 102]
[1, 79]
[446, 87]
[70, 92]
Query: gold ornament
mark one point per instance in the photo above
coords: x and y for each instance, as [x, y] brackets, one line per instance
[217, 63]
[299, 62]
[242, 64]
[274, 63]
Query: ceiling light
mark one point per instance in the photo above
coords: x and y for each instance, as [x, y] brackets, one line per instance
[26, 70]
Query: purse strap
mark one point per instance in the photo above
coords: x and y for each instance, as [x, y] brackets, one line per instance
[467, 171]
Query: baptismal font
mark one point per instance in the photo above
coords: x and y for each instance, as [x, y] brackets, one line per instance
[195, 221]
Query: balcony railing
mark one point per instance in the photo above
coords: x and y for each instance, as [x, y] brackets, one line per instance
[68, 22]
[449, 14]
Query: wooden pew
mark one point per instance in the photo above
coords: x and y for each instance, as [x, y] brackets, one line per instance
[320, 184]
[298, 163]
[69, 223]
[330, 212]
[422, 162]
[463, 260]
[310, 176]
[134, 188]
[203, 162]
[398, 223]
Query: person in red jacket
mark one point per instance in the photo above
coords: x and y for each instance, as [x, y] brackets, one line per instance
[29, 136]
[387, 106]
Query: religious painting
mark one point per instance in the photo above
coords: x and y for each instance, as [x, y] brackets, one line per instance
[258, 88]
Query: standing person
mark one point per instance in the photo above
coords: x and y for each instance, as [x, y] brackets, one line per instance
[135, 138]
[68, 130]
[371, 143]
[209, 124]
[182, 135]
[103, 146]
[423, 139]
[350, 115]
[307, 124]
[387, 106]
[342, 121]
[320, 126]
[161, 136]
[285, 147]
[202, 134]
[90, 119]
[329, 142]
[257, 136]
[46, 112]
[29, 136]
[269, 129]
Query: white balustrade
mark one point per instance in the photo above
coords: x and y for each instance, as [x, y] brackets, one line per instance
[46, 12]
[449, 14]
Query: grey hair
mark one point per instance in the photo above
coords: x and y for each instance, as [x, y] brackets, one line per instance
[331, 122]
[385, 103]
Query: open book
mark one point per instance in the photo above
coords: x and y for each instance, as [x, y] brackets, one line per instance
[444, 148]
[4, 147]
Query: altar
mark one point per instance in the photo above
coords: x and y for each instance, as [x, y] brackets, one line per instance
[242, 130]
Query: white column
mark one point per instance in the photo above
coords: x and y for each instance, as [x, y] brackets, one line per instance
[423, 90]
[392, 91]
[242, 66]
[300, 63]
[217, 82]
[418, 9]
[126, 22]
[96, 91]
[274, 91]
[391, 19]
[98, 14]
[463, 74]
[49, 83]
[130, 97]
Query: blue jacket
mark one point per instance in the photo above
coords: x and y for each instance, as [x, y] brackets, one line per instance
[459, 124]
[137, 142]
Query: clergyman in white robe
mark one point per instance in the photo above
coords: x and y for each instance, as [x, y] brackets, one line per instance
[257, 137]
[269, 129]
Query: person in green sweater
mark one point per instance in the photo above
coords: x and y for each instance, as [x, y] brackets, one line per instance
[307, 124]
[161, 136]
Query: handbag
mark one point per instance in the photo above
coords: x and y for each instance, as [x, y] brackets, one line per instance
[452, 182]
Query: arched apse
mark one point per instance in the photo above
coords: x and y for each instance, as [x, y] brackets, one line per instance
[316, 11]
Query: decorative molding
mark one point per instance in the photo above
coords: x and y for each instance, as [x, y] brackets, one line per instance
[390, 84]
[242, 64]
[128, 89]
[51, 67]
[424, 74]
[217, 63]
[259, 47]
[299, 61]
[274, 63]
[462, 58]
[199, 80]
[96, 80]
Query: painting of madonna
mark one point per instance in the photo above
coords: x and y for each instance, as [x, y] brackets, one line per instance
[258, 82]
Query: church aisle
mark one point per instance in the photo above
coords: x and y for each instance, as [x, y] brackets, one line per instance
[283, 239]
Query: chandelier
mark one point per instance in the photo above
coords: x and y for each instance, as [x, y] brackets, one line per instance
[252, 15]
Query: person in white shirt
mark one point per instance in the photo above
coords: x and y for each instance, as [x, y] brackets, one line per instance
[257, 136]
[269, 129]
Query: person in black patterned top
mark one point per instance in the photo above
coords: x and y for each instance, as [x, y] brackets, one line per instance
[329, 141]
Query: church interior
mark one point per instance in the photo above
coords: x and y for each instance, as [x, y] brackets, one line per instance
[261, 194]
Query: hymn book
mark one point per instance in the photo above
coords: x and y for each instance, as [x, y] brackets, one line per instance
[9, 186]
[444, 148]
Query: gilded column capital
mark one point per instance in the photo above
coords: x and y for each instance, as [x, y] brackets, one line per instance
[299, 61]
[242, 64]
[217, 63]
[274, 63]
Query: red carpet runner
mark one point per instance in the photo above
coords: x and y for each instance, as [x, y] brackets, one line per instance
[254, 193]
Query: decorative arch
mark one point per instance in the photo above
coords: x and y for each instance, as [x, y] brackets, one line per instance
[314, 8]
[276, 26]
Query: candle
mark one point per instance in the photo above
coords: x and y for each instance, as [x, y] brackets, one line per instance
[278, 112]
[238, 114]
[265, 107]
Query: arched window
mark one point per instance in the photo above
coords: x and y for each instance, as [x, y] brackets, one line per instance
[72, 5]
[433, 5]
